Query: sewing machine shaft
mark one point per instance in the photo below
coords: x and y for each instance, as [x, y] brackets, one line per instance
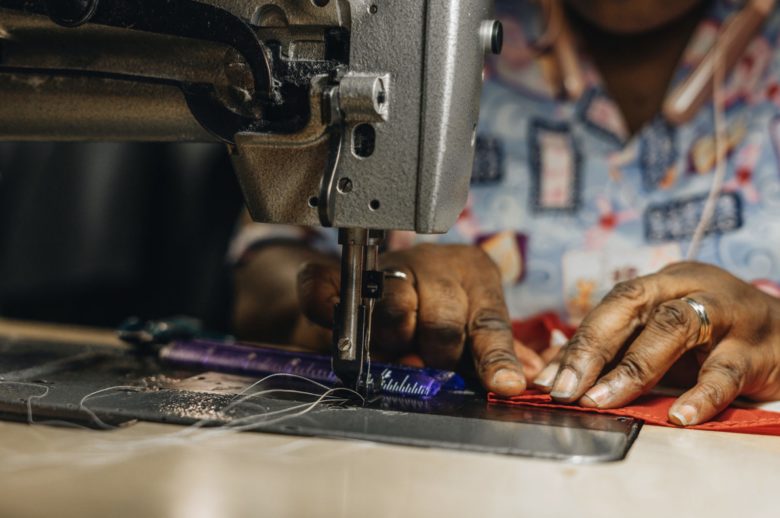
[361, 286]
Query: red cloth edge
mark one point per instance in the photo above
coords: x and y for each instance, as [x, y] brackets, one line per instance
[654, 409]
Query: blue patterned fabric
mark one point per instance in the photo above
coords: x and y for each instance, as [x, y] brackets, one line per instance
[595, 207]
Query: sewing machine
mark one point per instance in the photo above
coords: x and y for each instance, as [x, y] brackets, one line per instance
[354, 114]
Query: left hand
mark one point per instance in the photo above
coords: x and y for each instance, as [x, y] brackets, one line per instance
[643, 328]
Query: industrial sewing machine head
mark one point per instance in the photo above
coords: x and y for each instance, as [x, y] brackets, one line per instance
[354, 114]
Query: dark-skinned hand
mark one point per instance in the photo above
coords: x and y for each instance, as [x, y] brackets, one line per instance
[451, 300]
[642, 331]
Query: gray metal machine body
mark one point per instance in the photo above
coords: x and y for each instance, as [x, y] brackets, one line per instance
[356, 114]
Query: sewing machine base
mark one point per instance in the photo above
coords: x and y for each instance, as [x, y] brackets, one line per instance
[455, 420]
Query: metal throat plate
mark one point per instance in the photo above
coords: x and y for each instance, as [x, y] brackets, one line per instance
[67, 372]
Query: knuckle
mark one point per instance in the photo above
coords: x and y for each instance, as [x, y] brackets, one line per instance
[391, 314]
[636, 369]
[673, 318]
[447, 290]
[496, 356]
[396, 307]
[490, 299]
[732, 371]
[489, 320]
[442, 331]
[624, 291]
[713, 392]
[583, 348]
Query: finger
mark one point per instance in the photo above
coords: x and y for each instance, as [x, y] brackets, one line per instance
[395, 317]
[318, 292]
[544, 380]
[441, 320]
[721, 379]
[673, 330]
[609, 326]
[490, 335]
[530, 360]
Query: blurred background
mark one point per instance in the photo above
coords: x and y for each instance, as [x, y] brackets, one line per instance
[92, 233]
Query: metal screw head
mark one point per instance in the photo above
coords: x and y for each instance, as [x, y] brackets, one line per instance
[344, 344]
[492, 34]
[344, 186]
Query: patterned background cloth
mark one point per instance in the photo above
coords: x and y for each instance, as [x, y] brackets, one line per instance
[567, 205]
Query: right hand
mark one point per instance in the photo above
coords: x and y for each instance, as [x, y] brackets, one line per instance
[451, 300]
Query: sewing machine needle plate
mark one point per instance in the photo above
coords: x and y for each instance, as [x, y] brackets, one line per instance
[459, 421]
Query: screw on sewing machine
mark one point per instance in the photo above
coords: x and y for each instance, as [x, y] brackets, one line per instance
[492, 34]
[344, 344]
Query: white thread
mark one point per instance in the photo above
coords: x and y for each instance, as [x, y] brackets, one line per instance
[109, 451]
[98, 421]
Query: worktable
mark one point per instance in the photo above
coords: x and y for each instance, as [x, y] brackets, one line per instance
[667, 472]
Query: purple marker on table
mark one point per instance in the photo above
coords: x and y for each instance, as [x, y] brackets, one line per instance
[217, 356]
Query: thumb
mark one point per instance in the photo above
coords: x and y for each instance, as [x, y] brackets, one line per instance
[318, 292]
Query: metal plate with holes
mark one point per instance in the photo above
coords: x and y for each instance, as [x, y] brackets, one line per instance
[46, 381]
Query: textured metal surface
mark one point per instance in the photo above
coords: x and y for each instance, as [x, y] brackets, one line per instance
[41, 107]
[455, 56]
[391, 41]
[428, 53]
[295, 12]
[280, 174]
[53, 70]
[419, 171]
[60, 375]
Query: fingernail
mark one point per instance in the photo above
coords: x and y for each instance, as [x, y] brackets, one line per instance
[508, 378]
[547, 376]
[597, 395]
[565, 385]
[684, 415]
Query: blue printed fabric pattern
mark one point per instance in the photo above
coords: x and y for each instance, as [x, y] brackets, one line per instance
[592, 206]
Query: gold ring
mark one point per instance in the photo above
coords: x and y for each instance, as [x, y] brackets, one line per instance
[705, 326]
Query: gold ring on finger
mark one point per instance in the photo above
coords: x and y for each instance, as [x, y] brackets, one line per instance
[705, 325]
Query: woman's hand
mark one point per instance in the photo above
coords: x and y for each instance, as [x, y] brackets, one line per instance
[643, 328]
[451, 299]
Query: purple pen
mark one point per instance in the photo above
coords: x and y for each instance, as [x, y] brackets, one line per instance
[218, 356]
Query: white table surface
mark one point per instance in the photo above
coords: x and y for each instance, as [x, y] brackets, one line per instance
[53, 472]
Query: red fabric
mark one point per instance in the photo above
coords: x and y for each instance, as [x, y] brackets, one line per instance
[655, 409]
[652, 409]
[535, 331]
